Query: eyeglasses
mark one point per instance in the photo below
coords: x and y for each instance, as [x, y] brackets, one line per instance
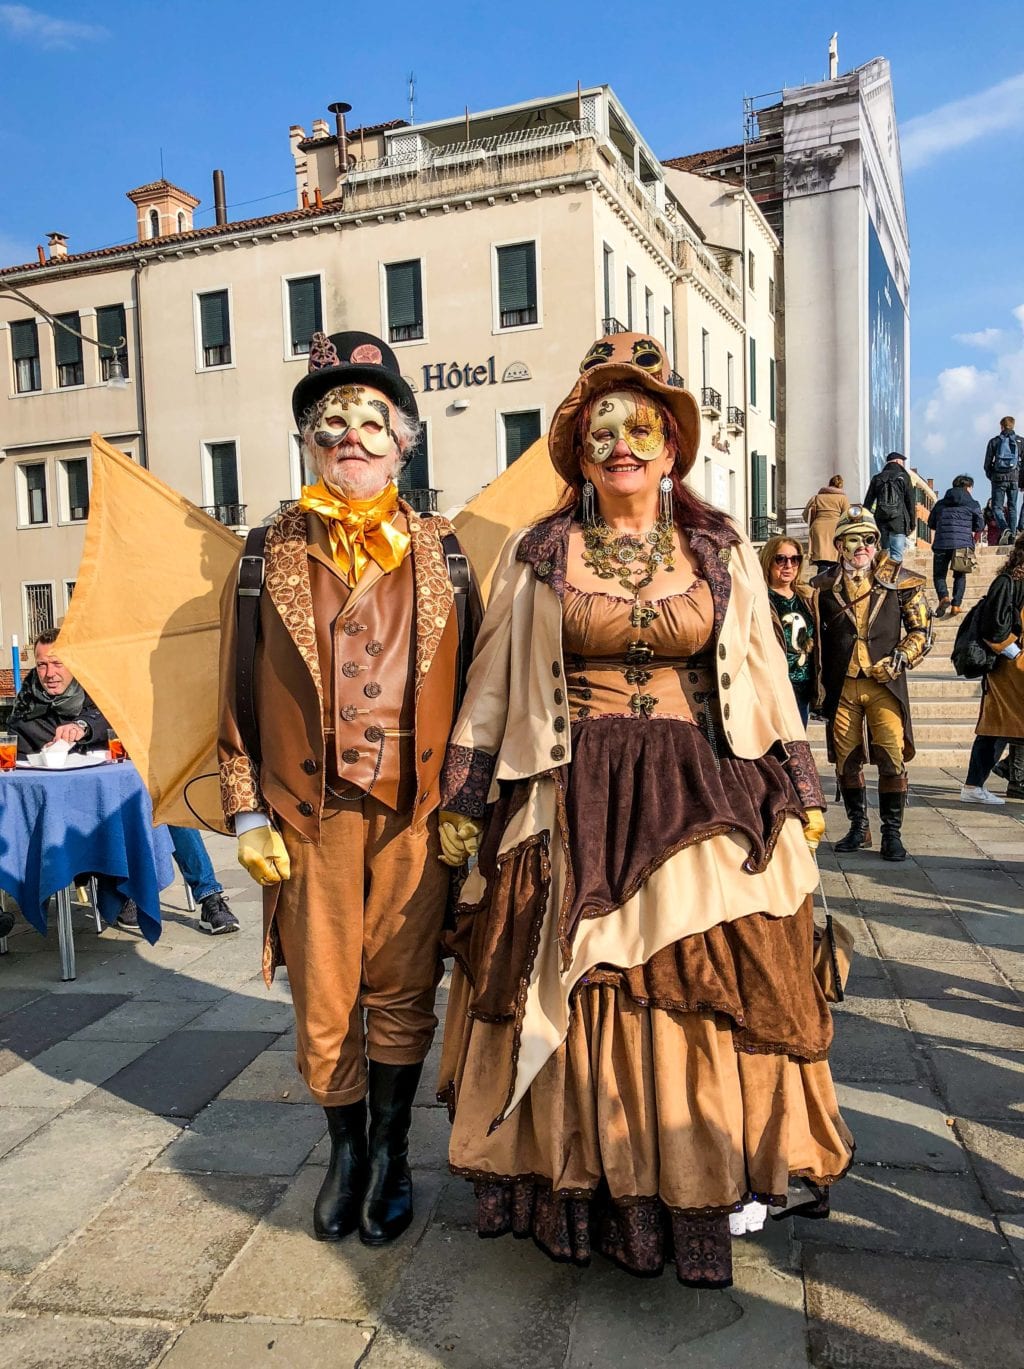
[788, 560]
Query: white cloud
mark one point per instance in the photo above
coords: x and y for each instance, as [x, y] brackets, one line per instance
[43, 30]
[960, 122]
[989, 339]
[953, 422]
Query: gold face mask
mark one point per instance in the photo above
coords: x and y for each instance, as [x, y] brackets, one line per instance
[617, 417]
[358, 409]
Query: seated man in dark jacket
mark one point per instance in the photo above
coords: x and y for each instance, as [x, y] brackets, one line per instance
[53, 706]
[957, 521]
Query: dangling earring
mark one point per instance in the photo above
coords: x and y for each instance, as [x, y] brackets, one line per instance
[589, 506]
[665, 506]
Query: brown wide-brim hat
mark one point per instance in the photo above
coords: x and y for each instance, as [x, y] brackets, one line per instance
[633, 361]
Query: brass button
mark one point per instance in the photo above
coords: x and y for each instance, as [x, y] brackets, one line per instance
[374, 648]
[694, 677]
[725, 711]
[350, 755]
[559, 696]
[351, 629]
[543, 569]
[374, 734]
[427, 754]
[558, 753]
[721, 651]
[350, 670]
[559, 724]
[556, 669]
[306, 809]
[372, 690]
[309, 766]
[350, 713]
[726, 680]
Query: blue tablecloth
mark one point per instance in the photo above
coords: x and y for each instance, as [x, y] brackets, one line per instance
[56, 824]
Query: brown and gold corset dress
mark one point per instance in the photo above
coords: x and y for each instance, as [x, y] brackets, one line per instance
[693, 1081]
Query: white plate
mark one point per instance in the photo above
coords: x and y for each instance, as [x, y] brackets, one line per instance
[72, 763]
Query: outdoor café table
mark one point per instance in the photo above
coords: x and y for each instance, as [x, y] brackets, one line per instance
[56, 824]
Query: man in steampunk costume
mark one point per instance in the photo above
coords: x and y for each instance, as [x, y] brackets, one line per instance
[339, 670]
[874, 625]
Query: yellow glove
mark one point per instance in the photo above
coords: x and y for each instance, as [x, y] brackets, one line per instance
[262, 854]
[460, 838]
[881, 671]
[814, 827]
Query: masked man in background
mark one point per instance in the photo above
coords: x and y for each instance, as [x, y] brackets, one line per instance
[874, 624]
[337, 698]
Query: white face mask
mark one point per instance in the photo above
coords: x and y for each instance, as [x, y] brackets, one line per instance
[618, 418]
[359, 411]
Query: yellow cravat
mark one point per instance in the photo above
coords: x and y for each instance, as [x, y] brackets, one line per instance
[360, 529]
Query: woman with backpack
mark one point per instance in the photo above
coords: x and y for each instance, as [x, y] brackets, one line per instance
[1001, 627]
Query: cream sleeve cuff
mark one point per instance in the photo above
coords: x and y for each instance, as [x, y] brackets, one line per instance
[248, 822]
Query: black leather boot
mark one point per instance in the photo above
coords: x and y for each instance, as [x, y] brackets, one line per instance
[387, 1203]
[1015, 771]
[859, 835]
[336, 1210]
[890, 809]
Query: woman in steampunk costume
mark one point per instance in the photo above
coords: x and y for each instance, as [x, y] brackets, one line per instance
[635, 1053]
[874, 624]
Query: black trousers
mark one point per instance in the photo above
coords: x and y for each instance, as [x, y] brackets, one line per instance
[984, 754]
[941, 562]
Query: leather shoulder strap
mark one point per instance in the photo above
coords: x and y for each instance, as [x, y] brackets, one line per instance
[459, 574]
[251, 575]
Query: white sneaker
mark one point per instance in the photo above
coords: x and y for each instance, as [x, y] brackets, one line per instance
[749, 1219]
[977, 793]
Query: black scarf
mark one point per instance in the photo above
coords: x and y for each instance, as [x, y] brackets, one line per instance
[34, 702]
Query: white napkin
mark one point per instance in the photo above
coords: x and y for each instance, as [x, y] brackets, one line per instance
[55, 755]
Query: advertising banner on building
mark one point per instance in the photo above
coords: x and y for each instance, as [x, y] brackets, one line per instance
[886, 361]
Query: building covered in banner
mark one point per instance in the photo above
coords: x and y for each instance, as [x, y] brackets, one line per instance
[822, 161]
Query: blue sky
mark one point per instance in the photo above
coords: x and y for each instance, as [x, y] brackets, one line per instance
[91, 94]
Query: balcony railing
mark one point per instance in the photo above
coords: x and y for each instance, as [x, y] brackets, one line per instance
[710, 400]
[762, 527]
[518, 318]
[612, 325]
[674, 378]
[734, 417]
[405, 332]
[231, 515]
[422, 499]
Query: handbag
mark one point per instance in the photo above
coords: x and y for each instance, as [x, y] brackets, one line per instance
[964, 561]
[833, 955]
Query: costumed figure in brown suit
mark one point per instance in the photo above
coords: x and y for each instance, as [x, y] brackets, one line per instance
[339, 678]
[874, 624]
[635, 1053]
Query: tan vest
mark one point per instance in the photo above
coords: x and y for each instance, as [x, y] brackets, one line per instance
[366, 644]
[859, 598]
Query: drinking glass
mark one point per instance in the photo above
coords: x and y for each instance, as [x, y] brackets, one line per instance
[8, 750]
[115, 748]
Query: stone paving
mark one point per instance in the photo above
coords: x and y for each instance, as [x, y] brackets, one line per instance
[160, 1156]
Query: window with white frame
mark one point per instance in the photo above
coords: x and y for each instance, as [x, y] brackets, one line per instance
[214, 328]
[517, 285]
[648, 308]
[519, 431]
[705, 357]
[154, 223]
[25, 350]
[414, 477]
[771, 388]
[630, 299]
[38, 609]
[609, 283]
[33, 496]
[730, 373]
[69, 589]
[771, 296]
[404, 294]
[112, 335]
[301, 467]
[751, 273]
[67, 350]
[752, 378]
[668, 334]
[305, 313]
[73, 489]
[220, 479]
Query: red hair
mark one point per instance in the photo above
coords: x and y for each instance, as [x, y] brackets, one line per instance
[692, 513]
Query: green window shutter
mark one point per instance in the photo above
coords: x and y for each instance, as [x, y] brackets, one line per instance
[753, 373]
[305, 311]
[759, 484]
[224, 472]
[78, 488]
[517, 277]
[67, 348]
[213, 312]
[521, 431]
[24, 339]
[771, 388]
[405, 295]
[110, 327]
[415, 473]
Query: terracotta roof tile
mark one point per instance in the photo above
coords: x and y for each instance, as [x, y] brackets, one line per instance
[310, 144]
[700, 161]
[154, 186]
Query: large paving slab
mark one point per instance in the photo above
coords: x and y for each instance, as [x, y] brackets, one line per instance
[866, 1048]
[179, 1075]
[158, 1251]
[232, 1137]
[44, 1342]
[17, 1123]
[245, 1012]
[936, 936]
[969, 981]
[871, 1311]
[969, 1022]
[900, 1125]
[997, 1153]
[267, 1345]
[978, 1082]
[32, 1027]
[142, 1019]
[66, 1073]
[340, 1281]
[57, 1179]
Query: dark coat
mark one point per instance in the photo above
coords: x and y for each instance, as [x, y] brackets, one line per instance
[954, 519]
[1001, 621]
[992, 451]
[904, 519]
[891, 617]
[35, 733]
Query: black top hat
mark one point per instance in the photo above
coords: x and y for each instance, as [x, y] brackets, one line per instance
[351, 359]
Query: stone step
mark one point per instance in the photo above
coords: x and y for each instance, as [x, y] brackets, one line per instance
[942, 687]
[928, 757]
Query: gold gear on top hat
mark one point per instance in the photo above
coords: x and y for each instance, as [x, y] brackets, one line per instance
[624, 361]
[856, 519]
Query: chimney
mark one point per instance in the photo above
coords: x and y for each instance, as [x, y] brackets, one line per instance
[58, 243]
[219, 198]
[319, 129]
[339, 109]
[833, 57]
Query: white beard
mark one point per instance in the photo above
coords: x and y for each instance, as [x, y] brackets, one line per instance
[356, 480]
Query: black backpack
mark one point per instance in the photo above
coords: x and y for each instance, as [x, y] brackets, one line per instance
[890, 502]
[972, 658]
